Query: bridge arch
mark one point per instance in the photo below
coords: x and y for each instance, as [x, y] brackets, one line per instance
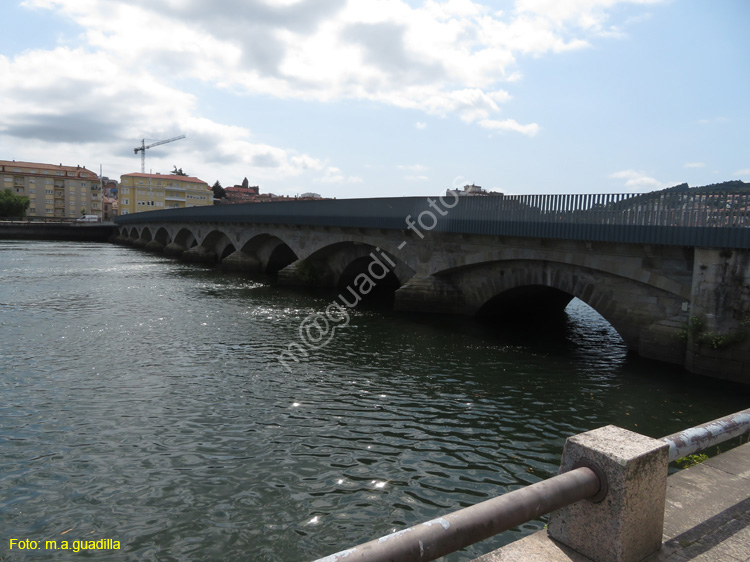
[162, 236]
[146, 234]
[185, 238]
[218, 244]
[339, 264]
[272, 253]
[628, 305]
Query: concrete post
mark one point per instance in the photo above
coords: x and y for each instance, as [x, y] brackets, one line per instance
[627, 525]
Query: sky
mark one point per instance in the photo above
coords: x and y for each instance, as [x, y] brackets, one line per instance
[383, 98]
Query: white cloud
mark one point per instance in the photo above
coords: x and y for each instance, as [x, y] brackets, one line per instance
[743, 172]
[416, 178]
[333, 174]
[421, 125]
[510, 125]
[444, 58]
[637, 181]
[66, 101]
[695, 165]
[413, 167]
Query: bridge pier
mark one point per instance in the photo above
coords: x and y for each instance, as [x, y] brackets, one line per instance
[429, 294]
[199, 254]
[718, 331]
[303, 273]
[175, 250]
[154, 246]
[241, 261]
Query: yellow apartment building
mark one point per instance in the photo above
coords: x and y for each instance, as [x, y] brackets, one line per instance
[54, 191]
[148, 192]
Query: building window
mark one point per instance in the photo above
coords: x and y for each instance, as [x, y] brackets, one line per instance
[48, 182]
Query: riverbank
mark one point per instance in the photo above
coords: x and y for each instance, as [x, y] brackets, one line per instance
[63, 232]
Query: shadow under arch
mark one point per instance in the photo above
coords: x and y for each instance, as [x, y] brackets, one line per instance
[218, 243]
[369, 280]
[527, 301]
[273, 253]
[185, 238]
[339, 264]
[162, 236]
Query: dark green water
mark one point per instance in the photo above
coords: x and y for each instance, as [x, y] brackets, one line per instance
[143, 401]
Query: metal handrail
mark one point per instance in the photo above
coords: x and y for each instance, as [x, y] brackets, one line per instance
[462, 528]
[707, 435]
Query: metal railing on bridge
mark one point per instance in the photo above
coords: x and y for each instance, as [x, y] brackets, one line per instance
[452, 532]
[711, 219]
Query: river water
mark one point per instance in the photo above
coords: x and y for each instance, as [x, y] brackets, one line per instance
[143, 401]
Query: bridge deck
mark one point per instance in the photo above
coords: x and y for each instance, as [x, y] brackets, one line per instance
[707, 518]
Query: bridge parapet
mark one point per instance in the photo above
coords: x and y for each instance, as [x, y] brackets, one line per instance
[718, 219]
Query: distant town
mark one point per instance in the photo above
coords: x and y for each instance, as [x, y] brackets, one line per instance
[56, 192]
[60, 192]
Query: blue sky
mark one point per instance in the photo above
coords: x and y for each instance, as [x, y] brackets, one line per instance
[365, 98]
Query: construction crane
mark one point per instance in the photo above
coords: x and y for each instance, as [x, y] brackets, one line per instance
[144, 146]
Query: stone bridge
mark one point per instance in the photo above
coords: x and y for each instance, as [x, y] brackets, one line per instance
[678, 294]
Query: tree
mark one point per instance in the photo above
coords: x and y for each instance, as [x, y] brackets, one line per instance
[219, 192]
[177, 172]
[12, 205]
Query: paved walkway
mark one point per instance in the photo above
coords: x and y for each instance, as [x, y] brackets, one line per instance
[707, 518]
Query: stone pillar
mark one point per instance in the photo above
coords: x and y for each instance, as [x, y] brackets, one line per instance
[140, 243]
[429, 294]
[174, 249]
[303, 273]
[627, 525]
[718, 343]
[154, 246]
[241, 261]
[664, 340]
[199, 254]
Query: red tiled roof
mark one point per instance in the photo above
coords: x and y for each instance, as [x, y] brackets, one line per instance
[165, 176]
[41, 166]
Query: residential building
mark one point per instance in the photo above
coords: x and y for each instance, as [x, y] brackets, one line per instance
[148, 192]
[471, 191]
[110, 207]
[241, 194]
[54, 192]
